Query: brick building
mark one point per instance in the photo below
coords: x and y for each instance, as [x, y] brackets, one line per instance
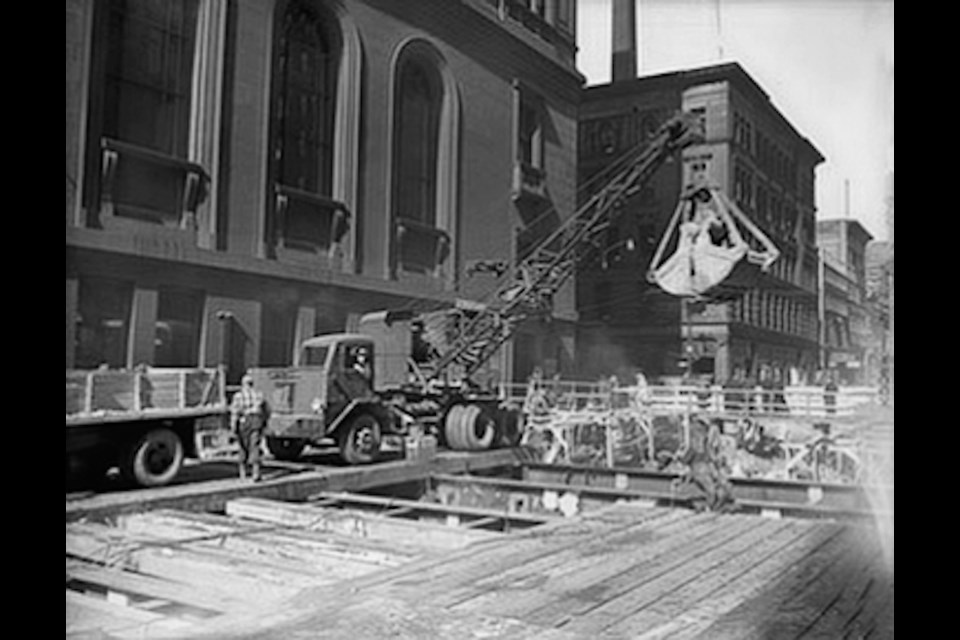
[845, 313]
[764, 164]
[244, 174]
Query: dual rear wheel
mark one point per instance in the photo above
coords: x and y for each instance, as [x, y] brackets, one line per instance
[469, 428]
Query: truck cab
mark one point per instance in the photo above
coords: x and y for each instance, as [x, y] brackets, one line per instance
[328, 394]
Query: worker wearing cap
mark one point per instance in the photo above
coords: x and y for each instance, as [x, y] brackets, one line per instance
[248, 418]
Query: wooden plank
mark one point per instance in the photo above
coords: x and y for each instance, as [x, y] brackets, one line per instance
[317, 554]
[587, 609]
[432, 507]
[247, 578]
[86, 614]
[429, 574]
[528, 550]
[521, 587]
[694, 620]
[210, 529]
[182, 391]
[118, 580]
[88, 394]
[752, 617]
[794, 615]
[363, 525]
[865, 583]
[726, 575]
[874, 614]
[482, 522]
[880, 627]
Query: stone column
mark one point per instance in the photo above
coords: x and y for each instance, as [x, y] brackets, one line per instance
[624, 47]
[143, 327]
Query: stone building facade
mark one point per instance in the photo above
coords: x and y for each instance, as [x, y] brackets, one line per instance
[845, 313]
[244, 174]
[762, 163]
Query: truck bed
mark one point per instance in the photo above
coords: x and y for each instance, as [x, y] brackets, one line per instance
[109, 395]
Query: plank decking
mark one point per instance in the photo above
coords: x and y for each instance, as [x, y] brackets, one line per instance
[276, 570]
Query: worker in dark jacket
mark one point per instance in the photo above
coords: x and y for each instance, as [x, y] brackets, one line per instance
[705, 468]
[248, 419]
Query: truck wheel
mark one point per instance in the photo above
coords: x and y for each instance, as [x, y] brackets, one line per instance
[452, 428]
[359, 439]
[154, 459]
[478, 428]
[285, 448]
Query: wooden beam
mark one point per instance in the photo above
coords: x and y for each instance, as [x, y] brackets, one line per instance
[482, 522]
[336, 557]
[135, 583]
[437, 508]
[238, 576]
[355, 523]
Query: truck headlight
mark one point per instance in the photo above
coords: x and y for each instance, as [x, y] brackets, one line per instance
[317, 405]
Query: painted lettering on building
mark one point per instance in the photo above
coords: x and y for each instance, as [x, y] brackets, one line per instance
[612, 135]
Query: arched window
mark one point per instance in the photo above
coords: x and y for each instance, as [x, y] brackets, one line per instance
[144, 124]
[424, 152]
[305, 101]
[305, 215]
[419, 99]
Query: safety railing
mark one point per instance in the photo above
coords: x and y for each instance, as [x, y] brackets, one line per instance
[795, 401]
[598, 424]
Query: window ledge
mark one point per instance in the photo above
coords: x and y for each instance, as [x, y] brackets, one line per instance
[308, 224]
[420, 249]
[149, 186]
[528, 182]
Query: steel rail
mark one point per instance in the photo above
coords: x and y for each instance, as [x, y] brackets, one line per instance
[599, 485]
[399, 506]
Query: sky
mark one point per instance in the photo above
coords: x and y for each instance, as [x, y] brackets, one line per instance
[827, 65]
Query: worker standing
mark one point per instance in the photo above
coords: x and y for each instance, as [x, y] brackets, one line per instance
[248, 418]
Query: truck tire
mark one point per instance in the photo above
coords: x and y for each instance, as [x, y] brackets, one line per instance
[452, 428]
[478, 428]
[359, 439]
[285, 448]
[153, 459]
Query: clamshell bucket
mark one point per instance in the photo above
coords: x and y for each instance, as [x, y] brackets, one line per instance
[713, 260]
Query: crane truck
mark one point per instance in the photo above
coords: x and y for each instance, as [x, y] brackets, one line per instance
[403, 368]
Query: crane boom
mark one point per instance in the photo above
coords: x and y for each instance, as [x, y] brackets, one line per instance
[550, 264]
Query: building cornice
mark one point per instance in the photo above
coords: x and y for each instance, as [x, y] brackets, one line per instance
[728, 71]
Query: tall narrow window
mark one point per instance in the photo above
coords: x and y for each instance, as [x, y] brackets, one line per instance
[149, 73]
[418, 126]
[421, 243]
[141, 97]
[307, 58]
[104, 322]
[305, 102]
[531, 132]
[529, 173]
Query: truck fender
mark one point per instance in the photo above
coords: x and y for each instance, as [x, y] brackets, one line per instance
[374, 407]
